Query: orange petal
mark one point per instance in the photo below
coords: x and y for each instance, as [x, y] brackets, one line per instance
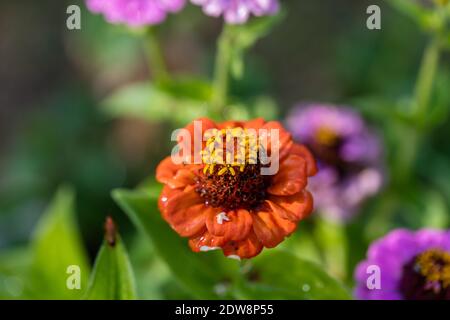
[245, 249]
[230, 124]
[302, 151]
[254, 124]
[166, 194]
[166, 170]
[181, 179]
[271, 229]
[236, 228]
[293, 208]
[285, 139]
[291, 177]
[174, 175]
[205, 242]
[185, 212]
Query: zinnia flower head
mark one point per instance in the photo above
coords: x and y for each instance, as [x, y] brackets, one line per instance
[412, 265]
[231, 205]
[348, 156]
[135, 13]
[238, 11]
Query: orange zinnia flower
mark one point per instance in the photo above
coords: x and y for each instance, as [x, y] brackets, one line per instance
[234, 207]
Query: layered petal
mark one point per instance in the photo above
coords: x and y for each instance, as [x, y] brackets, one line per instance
[282, 144]
[206, 242]
[293, 208]
[302, 151]
[186, 213]
[271, 229]
[245, 249]
[291, 177]
[233, 225]
[175, 175]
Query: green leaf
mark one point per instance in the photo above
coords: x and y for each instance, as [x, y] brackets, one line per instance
[187, 87]
[332, 239]
[14, 265]
[112, 277]
[178, 101]
[56, 245]
[413, 9]
[140, 100]
[302, 244]
[278, 274]
[435, 214]
[199, 273]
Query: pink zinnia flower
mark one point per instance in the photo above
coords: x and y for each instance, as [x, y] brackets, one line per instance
[135, 13]
[238, 11]
[412, 265]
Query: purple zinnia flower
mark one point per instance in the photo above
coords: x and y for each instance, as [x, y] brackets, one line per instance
[135, 13]
[412, 266]
[238, 11]
[348, 156]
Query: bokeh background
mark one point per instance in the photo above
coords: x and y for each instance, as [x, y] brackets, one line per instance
[54, 132]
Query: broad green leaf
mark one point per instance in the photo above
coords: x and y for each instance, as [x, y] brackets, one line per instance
[199, 273]
[14, 264]
[112, 277]
[332, 239]
[140, 100]
[56, 245]
[188, 88]
[146, 264]
[436, 213]
[278, 274]
[178, 101]
[303, 244]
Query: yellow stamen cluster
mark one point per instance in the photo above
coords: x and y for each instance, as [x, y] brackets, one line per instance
[231, 148]
[435, 266]
[326, 136]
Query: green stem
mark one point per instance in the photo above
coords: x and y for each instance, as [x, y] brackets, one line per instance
[221, 72]
[425, 79]
[422, 100]
[155, 57]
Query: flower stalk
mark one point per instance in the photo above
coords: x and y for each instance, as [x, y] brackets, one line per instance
[155, 57]
[222, 72]
[426, 77]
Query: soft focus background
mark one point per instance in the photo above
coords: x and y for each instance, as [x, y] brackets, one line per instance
[56, 135]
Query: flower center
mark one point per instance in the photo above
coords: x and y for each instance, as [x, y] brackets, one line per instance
[326, 147]
[326, 136]
[231, 177]
[427, 276]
